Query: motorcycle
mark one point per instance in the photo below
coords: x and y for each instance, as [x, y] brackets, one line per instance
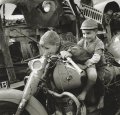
[52, 88]
[59, 81]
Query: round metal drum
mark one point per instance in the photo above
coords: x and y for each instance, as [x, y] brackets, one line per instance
[66, 77]
[114, 47]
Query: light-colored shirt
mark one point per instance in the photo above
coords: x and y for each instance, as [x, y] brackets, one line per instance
[93, 48]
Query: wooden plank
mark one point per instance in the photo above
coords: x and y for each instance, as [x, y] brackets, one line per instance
[6, 54]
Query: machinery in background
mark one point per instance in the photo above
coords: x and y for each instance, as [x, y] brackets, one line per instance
[63, 16]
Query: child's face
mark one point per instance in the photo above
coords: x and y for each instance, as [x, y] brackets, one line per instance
[89, 35]
[48, 49]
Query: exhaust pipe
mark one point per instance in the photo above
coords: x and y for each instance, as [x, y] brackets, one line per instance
[79, 105]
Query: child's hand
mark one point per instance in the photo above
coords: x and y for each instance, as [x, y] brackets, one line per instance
[65, 54]
[88, 63]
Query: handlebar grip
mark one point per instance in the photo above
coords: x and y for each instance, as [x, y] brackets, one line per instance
[78, 69]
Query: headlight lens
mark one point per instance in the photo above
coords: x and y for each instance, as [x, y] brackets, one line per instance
[46, 6]
[35, 64]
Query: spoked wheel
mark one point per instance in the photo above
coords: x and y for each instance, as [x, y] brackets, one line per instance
[9, 108]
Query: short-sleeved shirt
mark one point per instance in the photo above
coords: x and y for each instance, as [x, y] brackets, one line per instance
[92, 47]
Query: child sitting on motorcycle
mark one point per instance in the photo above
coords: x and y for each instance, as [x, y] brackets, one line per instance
[94, 47]
[52, 44]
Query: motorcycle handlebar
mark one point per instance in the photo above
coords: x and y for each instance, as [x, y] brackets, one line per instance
[78, 69]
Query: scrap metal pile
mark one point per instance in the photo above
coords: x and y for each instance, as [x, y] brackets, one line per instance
[64, 16]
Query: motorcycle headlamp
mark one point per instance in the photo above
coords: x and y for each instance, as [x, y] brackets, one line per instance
[46, 5]
[35, 64]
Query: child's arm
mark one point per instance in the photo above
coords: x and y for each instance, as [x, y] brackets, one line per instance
[65, 54]
[95, 59]
[99, 50]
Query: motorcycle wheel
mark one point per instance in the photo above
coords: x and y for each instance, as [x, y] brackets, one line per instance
[9, 108]
[10, 98]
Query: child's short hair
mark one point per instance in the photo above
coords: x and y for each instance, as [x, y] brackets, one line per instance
[50, 37]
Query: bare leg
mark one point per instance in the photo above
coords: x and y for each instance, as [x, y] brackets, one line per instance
[101, 102]
[92, 76]
[117, 70]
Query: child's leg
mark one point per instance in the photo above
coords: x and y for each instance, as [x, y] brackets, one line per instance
[92, 76]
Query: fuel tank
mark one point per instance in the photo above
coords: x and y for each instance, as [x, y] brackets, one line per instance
[66, 77]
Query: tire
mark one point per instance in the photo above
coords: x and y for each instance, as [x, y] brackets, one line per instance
[10, 98]
[9, 108]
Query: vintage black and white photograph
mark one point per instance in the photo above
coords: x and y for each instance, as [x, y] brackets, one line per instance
[59, 57]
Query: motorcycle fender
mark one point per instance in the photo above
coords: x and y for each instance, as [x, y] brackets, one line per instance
[34, 107]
